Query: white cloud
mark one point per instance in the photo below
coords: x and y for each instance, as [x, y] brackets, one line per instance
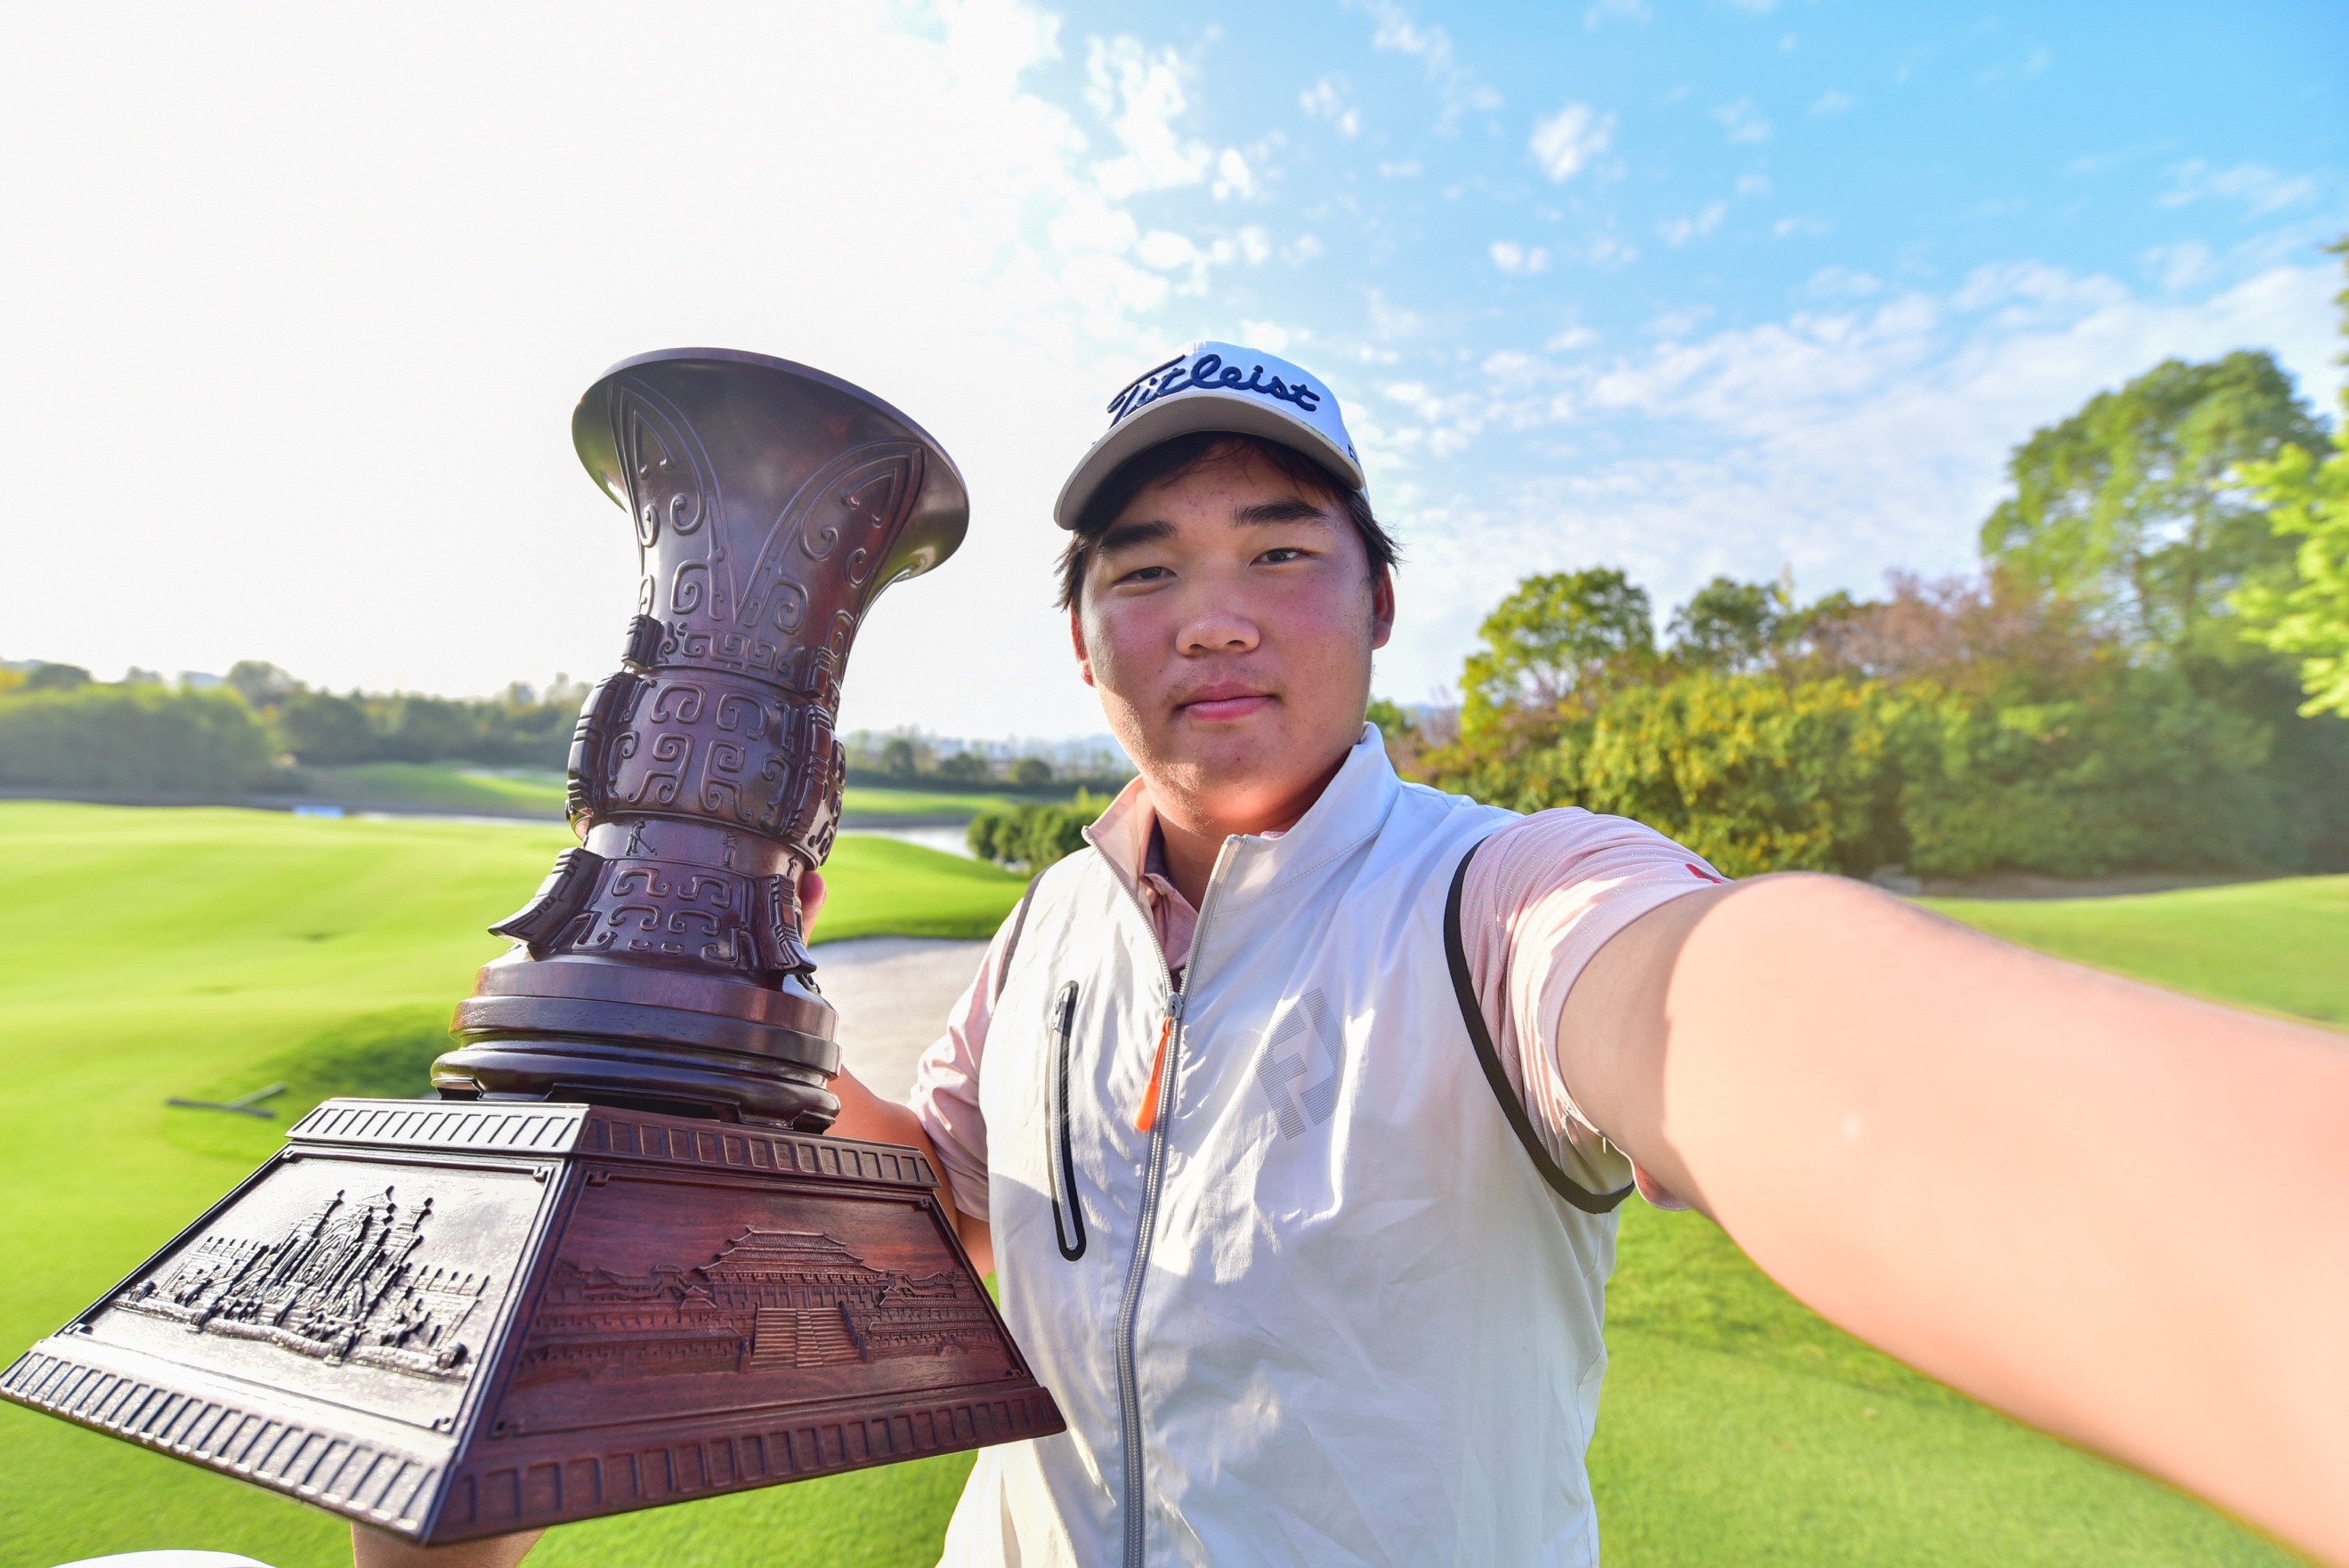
[1166, 250]
[1755, 8]
[1844, 442]
[1302, 248]
[1272, 338]
[1566, 142]
[1396, 32]
[1407, 169]
[1674, 325]
[1391, 320]
[1139, 91]
[1232, 175]
[1324, 100]
[1831, 102]
[1681, 231]
[2182, 265]
[1514, 259]
[1842, 283]
[1607, 252]
[1742, 123]
[1572, 339]
[2259, 188]
[1754, 185]
[1604, 11]
[1786, 228]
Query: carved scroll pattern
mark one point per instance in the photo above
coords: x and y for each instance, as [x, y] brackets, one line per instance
[718, 748]
[676, 502]
[644, 906]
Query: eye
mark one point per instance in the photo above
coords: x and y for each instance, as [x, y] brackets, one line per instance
[1280, 555]
[1148, 574]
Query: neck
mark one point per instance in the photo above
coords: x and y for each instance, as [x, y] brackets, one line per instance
[1194, 825]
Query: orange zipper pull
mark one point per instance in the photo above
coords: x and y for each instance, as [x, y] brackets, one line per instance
[1148, 1119]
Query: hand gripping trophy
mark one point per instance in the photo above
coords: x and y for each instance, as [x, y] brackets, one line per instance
[614, 1264]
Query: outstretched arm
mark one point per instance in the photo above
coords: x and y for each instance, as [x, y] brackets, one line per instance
[2117, 1214]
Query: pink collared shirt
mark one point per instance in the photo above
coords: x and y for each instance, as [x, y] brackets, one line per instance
[1543, 895]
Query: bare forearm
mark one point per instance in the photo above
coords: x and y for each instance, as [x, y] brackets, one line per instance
[2119, 1214]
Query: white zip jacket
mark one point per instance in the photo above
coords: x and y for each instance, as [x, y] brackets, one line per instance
[1326, 1310]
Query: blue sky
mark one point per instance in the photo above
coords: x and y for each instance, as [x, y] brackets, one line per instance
[303, 298]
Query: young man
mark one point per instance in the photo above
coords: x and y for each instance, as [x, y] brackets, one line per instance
[1292, 1114]
[1215, 1108]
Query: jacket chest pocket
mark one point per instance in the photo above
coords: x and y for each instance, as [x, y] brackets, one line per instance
[1060, 1152]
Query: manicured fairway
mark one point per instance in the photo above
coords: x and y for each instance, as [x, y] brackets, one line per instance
[163, 952]
[2281, 946]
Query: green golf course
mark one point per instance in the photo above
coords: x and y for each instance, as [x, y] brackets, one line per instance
[210, 953]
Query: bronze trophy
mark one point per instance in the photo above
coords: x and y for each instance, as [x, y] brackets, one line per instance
[614, 1264]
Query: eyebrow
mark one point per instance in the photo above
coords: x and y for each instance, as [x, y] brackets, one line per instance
[1126, 536]
[1290, 509]
[1264, 514]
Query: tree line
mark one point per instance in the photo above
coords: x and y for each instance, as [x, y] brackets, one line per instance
[61, 729]
[2150, 668]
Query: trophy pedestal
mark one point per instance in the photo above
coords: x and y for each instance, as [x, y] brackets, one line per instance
[450, 1320]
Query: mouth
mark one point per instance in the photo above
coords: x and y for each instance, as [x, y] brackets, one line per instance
[1222, 703]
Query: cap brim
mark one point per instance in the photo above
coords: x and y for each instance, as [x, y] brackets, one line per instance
[1187, 414]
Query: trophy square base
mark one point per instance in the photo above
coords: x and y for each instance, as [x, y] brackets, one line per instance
[450, 1320]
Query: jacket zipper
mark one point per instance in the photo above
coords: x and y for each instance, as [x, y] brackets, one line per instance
[1164, 1077]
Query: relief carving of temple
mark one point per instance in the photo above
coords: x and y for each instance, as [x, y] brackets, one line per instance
[344, 1284]
[769, 1300]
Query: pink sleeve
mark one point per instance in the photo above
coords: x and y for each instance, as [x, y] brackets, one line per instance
[945, 1085]
[1541, 899]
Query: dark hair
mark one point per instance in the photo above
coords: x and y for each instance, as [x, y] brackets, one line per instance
[1170, 461]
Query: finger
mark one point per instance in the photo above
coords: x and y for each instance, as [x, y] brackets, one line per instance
[811, 895]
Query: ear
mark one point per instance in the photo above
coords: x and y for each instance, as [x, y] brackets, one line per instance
[1077, 643]
[1383, 608]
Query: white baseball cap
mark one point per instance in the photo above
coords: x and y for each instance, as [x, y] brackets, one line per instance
[1215, 387]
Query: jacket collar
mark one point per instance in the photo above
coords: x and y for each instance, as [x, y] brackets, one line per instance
[1351, 809]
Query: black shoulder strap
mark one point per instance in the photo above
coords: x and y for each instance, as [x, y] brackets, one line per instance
[1011, 945]
[1472, 1013]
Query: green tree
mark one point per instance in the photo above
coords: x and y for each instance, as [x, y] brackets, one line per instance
[1032, 773]
[2134, 506]
[1031, 836]
[964, 767]
[897, 758]
[2309, 617]
[1557, 635]
[131, 740]
[262, 684]
[1391, 721]
[1729, 626]
[55, 677]
[324, 731]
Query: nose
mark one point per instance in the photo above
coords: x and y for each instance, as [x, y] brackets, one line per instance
[1215, 628]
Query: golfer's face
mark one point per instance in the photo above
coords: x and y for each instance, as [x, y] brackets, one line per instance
[1228, 619]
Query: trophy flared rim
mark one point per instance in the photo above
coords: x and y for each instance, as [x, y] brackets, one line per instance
[789, 367]
[946, 494]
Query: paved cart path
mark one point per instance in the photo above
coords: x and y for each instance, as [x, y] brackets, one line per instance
[894, 993]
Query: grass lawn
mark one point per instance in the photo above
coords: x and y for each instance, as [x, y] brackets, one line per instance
[209, 952]
[530, 791]
[450, 786]
[2279, 946]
